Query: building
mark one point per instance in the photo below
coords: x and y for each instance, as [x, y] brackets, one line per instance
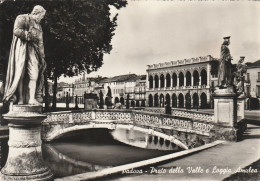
[252, 85]
[187, 83]
[87, 85]
[140, 91]
[120, 86]
[62, 90]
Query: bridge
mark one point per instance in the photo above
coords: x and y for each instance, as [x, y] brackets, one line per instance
[186, 129]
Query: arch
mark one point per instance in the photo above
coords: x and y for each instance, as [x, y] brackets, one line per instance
[151, 81]
[116, 100]
[188, 78]
[168, 99]
[143, 103]
[155, 140]
[181, 79]
[203, 98]
[150, 100]
[174, 80]
[187, 101]
[195, 99]
[156, 103]
[181, 100]
[174, 100]
[132, 103]
[161, 141]
[137, 104]
[156, 134]
[203, 75]
[195, 78]
[122, 100]
[162, 80]
[156, 79]
[168, 80]
[161, 100]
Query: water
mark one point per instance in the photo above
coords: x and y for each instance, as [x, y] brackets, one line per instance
[91, 150]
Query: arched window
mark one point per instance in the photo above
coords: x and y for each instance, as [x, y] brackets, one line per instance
[156, 79]
[188, 78]
[162, 80]
[168, 80]
[174, 79]
[203, 77]
[181, 79]
[151, 81]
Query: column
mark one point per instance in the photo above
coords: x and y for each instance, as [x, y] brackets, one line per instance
[184, 80]
[192, 79]
[25, 160]
[208, 76]
[200, 79]
[165, 81]
[178, 81]
[153, 82]
[159, 86]
[171, 81]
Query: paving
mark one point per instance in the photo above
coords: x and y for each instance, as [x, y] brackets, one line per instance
[220, 161]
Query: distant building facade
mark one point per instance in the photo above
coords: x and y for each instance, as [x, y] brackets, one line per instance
[140, 91]
[187, 83]
[120, 86]
[252, 85]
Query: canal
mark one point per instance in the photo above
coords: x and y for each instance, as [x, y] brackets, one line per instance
[90, 150]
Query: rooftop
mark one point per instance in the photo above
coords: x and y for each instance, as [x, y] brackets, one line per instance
[121, 78]
[182, 62]
[253, 64]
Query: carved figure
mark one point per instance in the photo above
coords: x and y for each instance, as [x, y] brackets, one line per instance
[101, 100]
[239, 76]
[26, 60]
[109, 96]
[225, 65]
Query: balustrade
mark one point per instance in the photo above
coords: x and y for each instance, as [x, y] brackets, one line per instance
[180, 120]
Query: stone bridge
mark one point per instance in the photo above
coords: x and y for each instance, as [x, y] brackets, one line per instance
[184, 129]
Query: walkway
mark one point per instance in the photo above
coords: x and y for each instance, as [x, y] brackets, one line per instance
[225, 157]
[220, 161]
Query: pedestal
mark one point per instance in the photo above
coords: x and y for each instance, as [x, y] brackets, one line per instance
[25, 160]
[225, 107]
[90, 101]
[241, 108]
[225, 114]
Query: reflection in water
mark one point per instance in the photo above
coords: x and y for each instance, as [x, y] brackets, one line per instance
[143, 140]
[92, 150]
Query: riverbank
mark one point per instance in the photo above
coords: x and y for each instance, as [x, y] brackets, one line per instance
[216, 163]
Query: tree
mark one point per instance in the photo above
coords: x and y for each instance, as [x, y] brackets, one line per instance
[77, 34]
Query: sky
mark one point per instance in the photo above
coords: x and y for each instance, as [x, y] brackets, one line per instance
[151, 32]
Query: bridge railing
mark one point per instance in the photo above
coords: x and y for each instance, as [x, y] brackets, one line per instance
[133, 117]
[194, 115]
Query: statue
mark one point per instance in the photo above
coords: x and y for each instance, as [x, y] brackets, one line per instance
[225, 65]
[26, 60]
[101, 100]
[239, 76]
[76, 102]
[109, 96]
[127, 101]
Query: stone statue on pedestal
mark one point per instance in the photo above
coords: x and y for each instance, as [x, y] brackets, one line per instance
[26, 60]
[101, 100]
[109, 96]
[225, 65]
[239, 76]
